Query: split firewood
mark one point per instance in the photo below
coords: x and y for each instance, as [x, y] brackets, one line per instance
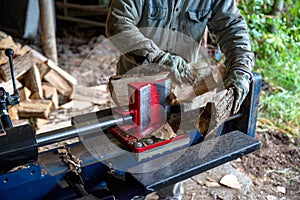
[37, 56]
[24, 94]
[8, 86]
[68, 77]
[13, 112]
[32, 81]
[50, 93]
[58, 82]
[35, 109]
[41, 58]
[21, 65]
[6, 41]
[97, 94]
[216, 112]
[76, 105]
[43, 68]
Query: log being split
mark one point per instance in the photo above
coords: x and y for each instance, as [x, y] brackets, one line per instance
[216, 112]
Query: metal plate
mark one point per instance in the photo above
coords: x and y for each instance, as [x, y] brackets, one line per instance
[166, 170]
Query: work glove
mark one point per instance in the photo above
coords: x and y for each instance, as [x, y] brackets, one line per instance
[178, 65]
[240, 80]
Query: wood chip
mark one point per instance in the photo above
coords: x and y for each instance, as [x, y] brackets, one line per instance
[212, 184]
[210, 179]
[165, 132]
[281, 189]
[231, 181]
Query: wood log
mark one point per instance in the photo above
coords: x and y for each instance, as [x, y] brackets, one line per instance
[24, 94]
[50, 93]
[216, 112]
[35, 109]
[207, 78]
[21, 65]
[32, 81]
[8, 86]
[198, 102]
[97, 94]
[58, 82]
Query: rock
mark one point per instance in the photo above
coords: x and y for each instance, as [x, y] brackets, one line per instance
[281, 189]
[231, 181]
[271, 197]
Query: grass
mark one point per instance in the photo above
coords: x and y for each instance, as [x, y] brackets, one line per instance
[278, 61]
[280, 68]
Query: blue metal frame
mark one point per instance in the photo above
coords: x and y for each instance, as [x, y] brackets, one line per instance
[45, 179]
[246, 123]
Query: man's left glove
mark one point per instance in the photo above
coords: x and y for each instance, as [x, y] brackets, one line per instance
[240, 80]
[177, 64]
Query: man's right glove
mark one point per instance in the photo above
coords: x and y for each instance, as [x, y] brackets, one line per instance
[177, 64]
[240, 80]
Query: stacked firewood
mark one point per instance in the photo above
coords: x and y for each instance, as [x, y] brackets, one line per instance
[43, 86]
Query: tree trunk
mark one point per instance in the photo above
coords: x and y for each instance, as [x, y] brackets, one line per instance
[276, 11]
[48, 29]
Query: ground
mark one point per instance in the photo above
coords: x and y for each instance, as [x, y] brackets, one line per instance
[273, 172]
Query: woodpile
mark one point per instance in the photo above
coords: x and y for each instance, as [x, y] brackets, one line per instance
[43, 86]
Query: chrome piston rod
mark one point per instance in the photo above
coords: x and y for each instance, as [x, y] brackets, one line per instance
[78, 130]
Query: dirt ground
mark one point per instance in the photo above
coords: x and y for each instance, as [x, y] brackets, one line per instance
[271, 173]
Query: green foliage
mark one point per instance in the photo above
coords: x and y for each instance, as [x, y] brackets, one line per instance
[277, 58]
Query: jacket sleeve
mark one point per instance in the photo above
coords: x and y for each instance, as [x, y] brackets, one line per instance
[232, 35]
[121, 27]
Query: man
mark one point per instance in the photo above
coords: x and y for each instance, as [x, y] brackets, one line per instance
[165, 32]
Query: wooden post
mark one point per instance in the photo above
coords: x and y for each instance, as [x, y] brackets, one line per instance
[48, 29]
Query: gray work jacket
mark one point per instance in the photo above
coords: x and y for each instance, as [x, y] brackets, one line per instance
[141, 29]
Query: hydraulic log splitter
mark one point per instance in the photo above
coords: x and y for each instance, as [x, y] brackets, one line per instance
[111, 160]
